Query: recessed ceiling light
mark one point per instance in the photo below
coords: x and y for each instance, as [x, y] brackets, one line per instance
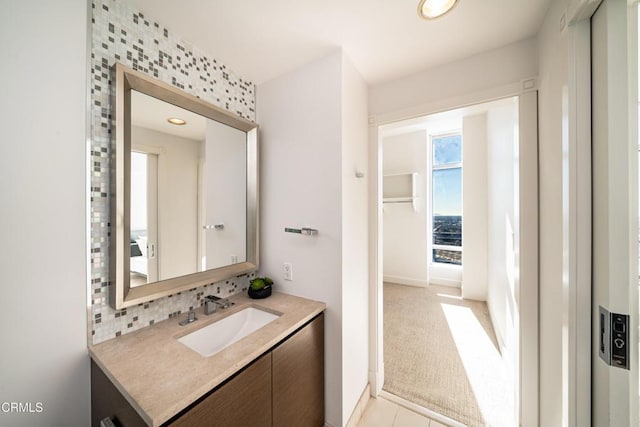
[176, 121]
[431, 9]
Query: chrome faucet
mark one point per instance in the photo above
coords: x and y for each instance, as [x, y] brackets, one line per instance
[222, 302]
[209, 306]
[191, 317]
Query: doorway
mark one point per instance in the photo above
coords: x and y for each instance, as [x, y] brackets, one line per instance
[144, 218]
[519, 234]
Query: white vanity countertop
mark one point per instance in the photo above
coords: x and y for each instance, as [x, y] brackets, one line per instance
[160, 377]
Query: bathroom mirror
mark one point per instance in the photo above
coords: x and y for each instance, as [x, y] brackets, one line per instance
[184, 209]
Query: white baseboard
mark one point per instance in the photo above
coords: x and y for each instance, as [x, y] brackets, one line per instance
[445, 282]
[472, 297]
[376, 381]
[406, 281]
[354, 419]
[498, 333]
[504, 351]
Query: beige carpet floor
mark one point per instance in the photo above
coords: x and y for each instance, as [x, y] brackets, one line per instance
[423, 330]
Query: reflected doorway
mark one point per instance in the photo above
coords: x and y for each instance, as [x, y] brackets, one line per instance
[144, 218]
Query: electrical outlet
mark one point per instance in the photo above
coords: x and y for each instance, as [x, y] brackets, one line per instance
[234, 259]
[288, 271]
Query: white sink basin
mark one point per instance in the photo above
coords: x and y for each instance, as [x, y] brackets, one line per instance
[215, 337]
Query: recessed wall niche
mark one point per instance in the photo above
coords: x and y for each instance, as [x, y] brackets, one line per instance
[121, 34]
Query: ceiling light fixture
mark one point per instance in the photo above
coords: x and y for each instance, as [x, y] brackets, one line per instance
[176, 121]
[432, 9]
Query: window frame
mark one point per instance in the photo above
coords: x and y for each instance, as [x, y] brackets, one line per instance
[432, 168]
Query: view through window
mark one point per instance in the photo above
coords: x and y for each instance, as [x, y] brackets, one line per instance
[446, 198]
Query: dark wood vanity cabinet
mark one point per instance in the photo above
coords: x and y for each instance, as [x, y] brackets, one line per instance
[283, 387]
[298, 378]
[243, 401]
[107, 402]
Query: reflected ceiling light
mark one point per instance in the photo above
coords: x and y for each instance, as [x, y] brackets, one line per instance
[176, 121]
[431, 9]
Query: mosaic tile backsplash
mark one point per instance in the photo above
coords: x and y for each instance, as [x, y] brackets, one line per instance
[120, 34]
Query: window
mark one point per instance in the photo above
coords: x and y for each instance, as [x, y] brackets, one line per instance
[446, 198]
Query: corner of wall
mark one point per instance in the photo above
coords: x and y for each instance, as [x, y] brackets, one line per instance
[553, 73]
[355, 237]
[475, 207]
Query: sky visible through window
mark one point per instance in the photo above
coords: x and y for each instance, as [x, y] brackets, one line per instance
[447, 183]
[447, 149]
[447, 199]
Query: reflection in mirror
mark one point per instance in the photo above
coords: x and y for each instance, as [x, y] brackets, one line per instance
[185, 195]
[188, 192]
[144, 215]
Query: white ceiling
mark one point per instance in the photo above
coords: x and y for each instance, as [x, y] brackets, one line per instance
[385, 39]
[151, 113]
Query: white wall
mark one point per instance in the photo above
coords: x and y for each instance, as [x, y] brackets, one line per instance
[43, 320]
[300, 185]
[553, 75]
[225, 180]
[355, 239]
[313, 134]
[474, 206]
[501, 140]
[406, 257]
[458, 80]
[177, 199]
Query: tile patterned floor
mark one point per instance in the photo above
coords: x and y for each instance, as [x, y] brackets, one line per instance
[383, 413]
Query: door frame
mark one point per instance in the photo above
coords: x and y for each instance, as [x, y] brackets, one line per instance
[614, 392]
[527, 403]
[155, 155]
[577, 238]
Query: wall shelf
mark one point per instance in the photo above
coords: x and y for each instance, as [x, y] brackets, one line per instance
[398, 200]
[400, 188]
